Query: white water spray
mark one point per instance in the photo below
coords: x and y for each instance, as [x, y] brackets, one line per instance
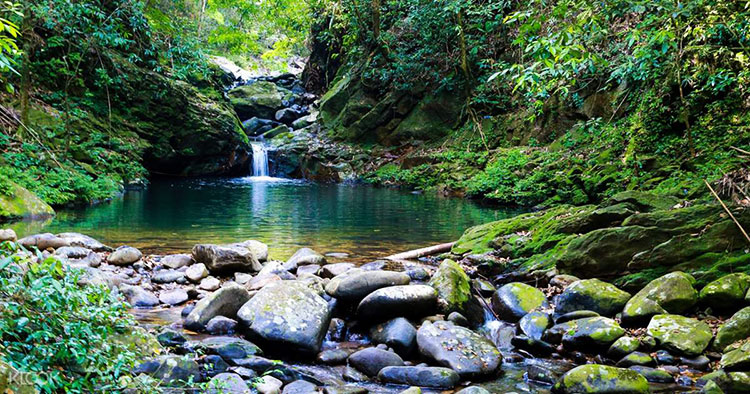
[260, 159]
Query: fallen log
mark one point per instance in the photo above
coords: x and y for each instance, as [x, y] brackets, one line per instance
[417, 253]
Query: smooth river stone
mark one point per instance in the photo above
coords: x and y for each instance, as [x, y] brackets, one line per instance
[124, 255]
[244, 256]
[223, 302]
[355, 286]
[397, 301]
[436, 377]
[458, 348]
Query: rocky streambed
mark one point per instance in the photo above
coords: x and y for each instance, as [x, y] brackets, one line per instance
[244, 322]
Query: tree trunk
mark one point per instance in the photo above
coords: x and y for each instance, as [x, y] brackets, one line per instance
[376, 20]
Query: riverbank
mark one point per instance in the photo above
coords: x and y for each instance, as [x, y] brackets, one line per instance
[481, 316]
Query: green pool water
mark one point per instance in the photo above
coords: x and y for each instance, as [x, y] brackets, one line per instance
[172, 215]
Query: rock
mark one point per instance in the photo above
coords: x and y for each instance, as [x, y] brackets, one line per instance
[534, 324]
[272, 268]
[167, 276]
[398, 334]
[344, 390]
[229, 348]
[233, 257]
[575, 316]
[7, 234]
[351, 374]
[225, 302]
[635, 358]
[585, 333]
[170, 338]
[484, 287]
[332, 270]
[514, 300]
[723, 382]
[124, 255]
[139, 297]
[289, 313]
[653, 375]
[563, 281]
[436, 377]
[209, 284]
[473, 390]
[311, 269]
[43, 241]
[409, 300]
[173, 370]
[260, 282]
[371, 360]
[458, 319]
[663, 357]
[227, 383]
[84, 241]
[305, 256]
[623, 346]
[288, 115]
[300, 387]
[680, 334]
[734, 329]
[453, 287]
[221, 325]
[267, 384]
[72, 252]
[175, 261]
[355, 286]
[259, 99]
[458, 348]
[726, 293]
[334, 356]
[173, 297]
[591, 295]
[737, 359]
[196, 272]
[595, 378]
[671, 293]
[699, 363]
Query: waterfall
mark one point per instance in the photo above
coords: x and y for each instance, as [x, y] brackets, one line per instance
[260, 159]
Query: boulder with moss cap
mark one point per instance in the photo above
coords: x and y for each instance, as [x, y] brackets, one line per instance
[671, 293]
[595, 378]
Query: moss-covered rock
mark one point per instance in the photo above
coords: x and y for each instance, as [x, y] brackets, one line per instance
[595, 378]
[534, 324]
[592, 295]
[19, 203]
[623, 346]
[596, 332]
[259, 99]
[727, 292]
[680, 334]
[453, 287]
[738, 359]
[671, 293]
[734, 329]
[514, 300]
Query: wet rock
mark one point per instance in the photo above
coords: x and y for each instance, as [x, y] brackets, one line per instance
[534, 324]
[332, 270]
[300, 387]
[585, 333]
[418, 274]
[213, 364]
[514, 300]
[167, 276]
[221, 325]
[196, 272]
[563, 281]
[225, 302]
[575, 316]
[436, 377]
[484, 287]
[595, 378]
[635, 358]
[680, 334]
[228, 348]
[458, 348]
[246, 256]
[726, 293]
[738, 359]
[173, 297]
[124, 255]
[209, 284]
[227, 383]
[258, 99]
[591, 295]
[398, 334]
[352, 375]
[535, 347]
[336, 330]
[288, 115]
[473, 390]
[344, 390]
[175, 261]
[409, 300]
[173, 370]
[734, 329]
[458, 319]
[653, 375]
[663, 357]
[671, 293]
[139, 297]
[371, 360]
[170, 338]
[452, 286]
[8, 234]
[334, 356]
[305, 256]
[623, 346]
[268, 385]
[288, 313]
[699, 363]
[355, 286]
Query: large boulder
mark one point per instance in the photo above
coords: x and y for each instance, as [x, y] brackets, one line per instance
[305, 256]
[727, 292]
[680, 334]
[260, 99]
[245, 256]
[398, 334]
[288, 313]
[435, 377]
[592, 295]
[355, 286]
[737, 359]
[84, 241]
[371, 360]
[458, 348]
[229, 348]
[19, 203]
[514, 300]
[596, 378]
[138, 296]
[124, 255]
[671, 293]
[394, 301]
[223, 302]
[734, 329]
[585, 333]
[453, 287]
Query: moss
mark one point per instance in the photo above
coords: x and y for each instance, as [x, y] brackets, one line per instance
[20, 203]
[452, 285]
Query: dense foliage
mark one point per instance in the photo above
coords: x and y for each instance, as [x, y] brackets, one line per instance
[67, 335]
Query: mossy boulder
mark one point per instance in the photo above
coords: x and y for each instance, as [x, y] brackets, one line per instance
[453, 287]
[595, 378]
[259, 99]
[19, 203]
[723, 382]
[671, 293]
[623, 346]
[680, 334]
[726, 292]
[534, 324]
[458, 348]
[514, 300]
[592, 295]
[597, 332]
[734, 329]
[738, 359]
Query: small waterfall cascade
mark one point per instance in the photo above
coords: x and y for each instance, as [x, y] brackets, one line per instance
[260, 159]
